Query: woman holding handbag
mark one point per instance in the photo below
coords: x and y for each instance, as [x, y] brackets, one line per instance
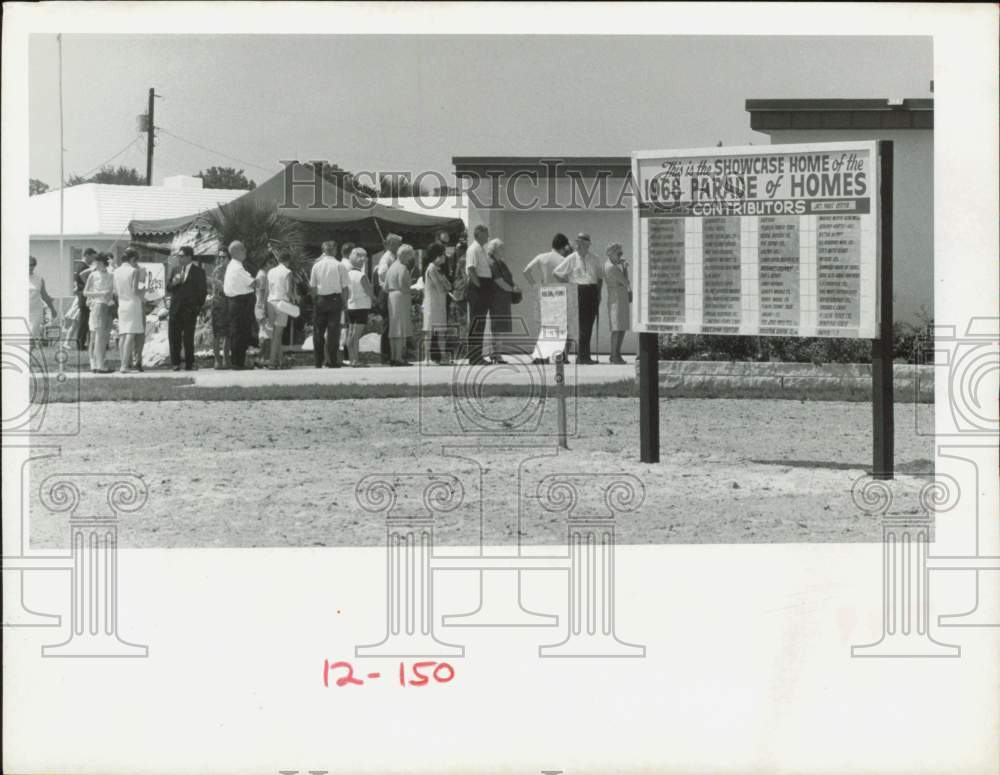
[507, 294]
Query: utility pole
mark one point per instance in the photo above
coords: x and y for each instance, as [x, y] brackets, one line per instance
[149, 139]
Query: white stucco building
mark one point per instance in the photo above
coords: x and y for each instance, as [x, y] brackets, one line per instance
[96, 215]
[526, 200]
[909, 123]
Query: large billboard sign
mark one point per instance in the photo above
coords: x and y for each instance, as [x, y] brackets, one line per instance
[776, 240]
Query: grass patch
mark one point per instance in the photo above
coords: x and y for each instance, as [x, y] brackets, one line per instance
[184, 389]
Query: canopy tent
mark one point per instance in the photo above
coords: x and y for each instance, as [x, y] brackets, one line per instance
[325, 210]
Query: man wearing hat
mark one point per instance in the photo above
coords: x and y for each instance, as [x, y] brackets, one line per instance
[187, 287]
[586, 272]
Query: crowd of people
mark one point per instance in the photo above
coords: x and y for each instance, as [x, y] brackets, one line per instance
[106, 288]
[492, 290]
[462, 285]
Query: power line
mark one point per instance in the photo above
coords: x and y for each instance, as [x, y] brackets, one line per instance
[212, 150]
[105, 163]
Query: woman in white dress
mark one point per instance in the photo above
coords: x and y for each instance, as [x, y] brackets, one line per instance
[131, 320]
[436, 288]
[37, 297]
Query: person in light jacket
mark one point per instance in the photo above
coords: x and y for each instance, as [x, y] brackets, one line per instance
[619, 299]
[397, 284]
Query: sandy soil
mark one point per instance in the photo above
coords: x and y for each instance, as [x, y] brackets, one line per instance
[283, 473]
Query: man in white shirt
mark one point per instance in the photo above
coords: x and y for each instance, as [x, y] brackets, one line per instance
[238, 286]
[586, 272]
[328, 282]
[480, 291]
[279, 288]
[541, 271]
[385, 260]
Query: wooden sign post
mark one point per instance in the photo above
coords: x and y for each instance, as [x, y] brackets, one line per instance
[883, 421]
[649, 398]
[781, 240]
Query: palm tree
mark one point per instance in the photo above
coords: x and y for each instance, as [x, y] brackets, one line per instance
[258, 226]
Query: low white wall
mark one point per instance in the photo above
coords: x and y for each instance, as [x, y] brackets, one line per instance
[842, 381]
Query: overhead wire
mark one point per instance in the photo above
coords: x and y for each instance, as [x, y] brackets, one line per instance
[105, 163]
[213, 150]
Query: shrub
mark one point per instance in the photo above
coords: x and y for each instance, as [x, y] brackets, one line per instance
[908, 339]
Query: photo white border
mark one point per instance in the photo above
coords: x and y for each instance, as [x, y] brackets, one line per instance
[880, 716]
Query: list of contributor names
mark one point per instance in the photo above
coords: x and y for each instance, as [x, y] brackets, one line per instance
[665, 250]
[721, 255]
[778, 256]
[777, 309]
[838, 273]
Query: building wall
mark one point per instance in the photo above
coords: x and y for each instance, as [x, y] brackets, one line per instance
[58, 272]
[526, 233]
[913, 210]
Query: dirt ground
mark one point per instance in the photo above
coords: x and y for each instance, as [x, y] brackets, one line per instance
[283, 473]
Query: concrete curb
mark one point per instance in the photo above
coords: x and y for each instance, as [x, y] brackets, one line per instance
[829, 381]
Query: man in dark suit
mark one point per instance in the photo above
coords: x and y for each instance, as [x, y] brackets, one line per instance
[80, 282]
[187, 288]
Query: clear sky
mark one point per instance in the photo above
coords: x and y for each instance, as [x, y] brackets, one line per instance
[409, 103]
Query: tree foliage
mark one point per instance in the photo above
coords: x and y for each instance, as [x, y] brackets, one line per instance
[36, 186]
[225, 177]
[344, 179]
[122, 176]
[255, 224]
[395, 186]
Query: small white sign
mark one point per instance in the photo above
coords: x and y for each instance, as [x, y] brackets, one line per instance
[156, 280]
[558, 319]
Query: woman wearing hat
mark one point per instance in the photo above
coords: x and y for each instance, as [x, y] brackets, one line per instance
[619, 297]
